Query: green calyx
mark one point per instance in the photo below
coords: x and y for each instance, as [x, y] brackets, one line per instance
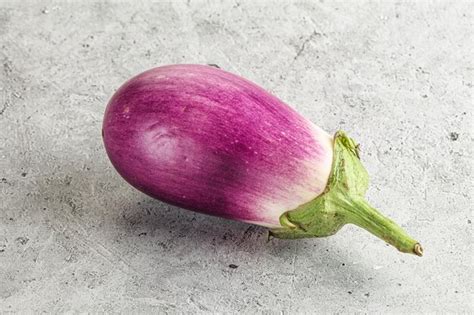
[343, 202]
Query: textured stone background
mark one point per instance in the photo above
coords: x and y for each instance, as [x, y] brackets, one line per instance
[75, 237]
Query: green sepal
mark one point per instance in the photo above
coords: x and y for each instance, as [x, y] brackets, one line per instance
[342, 202]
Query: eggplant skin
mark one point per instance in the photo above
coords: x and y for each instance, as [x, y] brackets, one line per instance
[209, 141]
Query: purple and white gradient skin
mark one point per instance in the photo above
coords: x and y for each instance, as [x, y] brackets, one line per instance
[210, 141]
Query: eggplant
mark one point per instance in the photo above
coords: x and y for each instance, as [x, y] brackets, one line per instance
[210, 141]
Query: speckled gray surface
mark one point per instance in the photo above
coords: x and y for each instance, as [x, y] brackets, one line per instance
[75, 237]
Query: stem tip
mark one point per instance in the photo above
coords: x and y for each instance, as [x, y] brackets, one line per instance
[418, 249]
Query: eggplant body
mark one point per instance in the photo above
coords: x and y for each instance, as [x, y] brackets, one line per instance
[210, 141]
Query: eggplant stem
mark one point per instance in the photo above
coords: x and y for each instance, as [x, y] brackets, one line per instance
[342, 202]
[359, 212]
[418, 250]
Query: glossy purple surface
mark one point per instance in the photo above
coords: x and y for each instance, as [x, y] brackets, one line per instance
[209, 141]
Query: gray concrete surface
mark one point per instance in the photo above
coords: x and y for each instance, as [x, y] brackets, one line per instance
[75, 237]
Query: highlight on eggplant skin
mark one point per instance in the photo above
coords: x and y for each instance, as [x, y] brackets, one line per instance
[210, 141]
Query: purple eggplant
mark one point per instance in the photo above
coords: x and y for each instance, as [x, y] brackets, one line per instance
[209, 141]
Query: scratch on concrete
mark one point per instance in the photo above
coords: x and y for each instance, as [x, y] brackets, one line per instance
[199, 305]
[6, 104]
[246, 235]
[293, 274]
[302, 47]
